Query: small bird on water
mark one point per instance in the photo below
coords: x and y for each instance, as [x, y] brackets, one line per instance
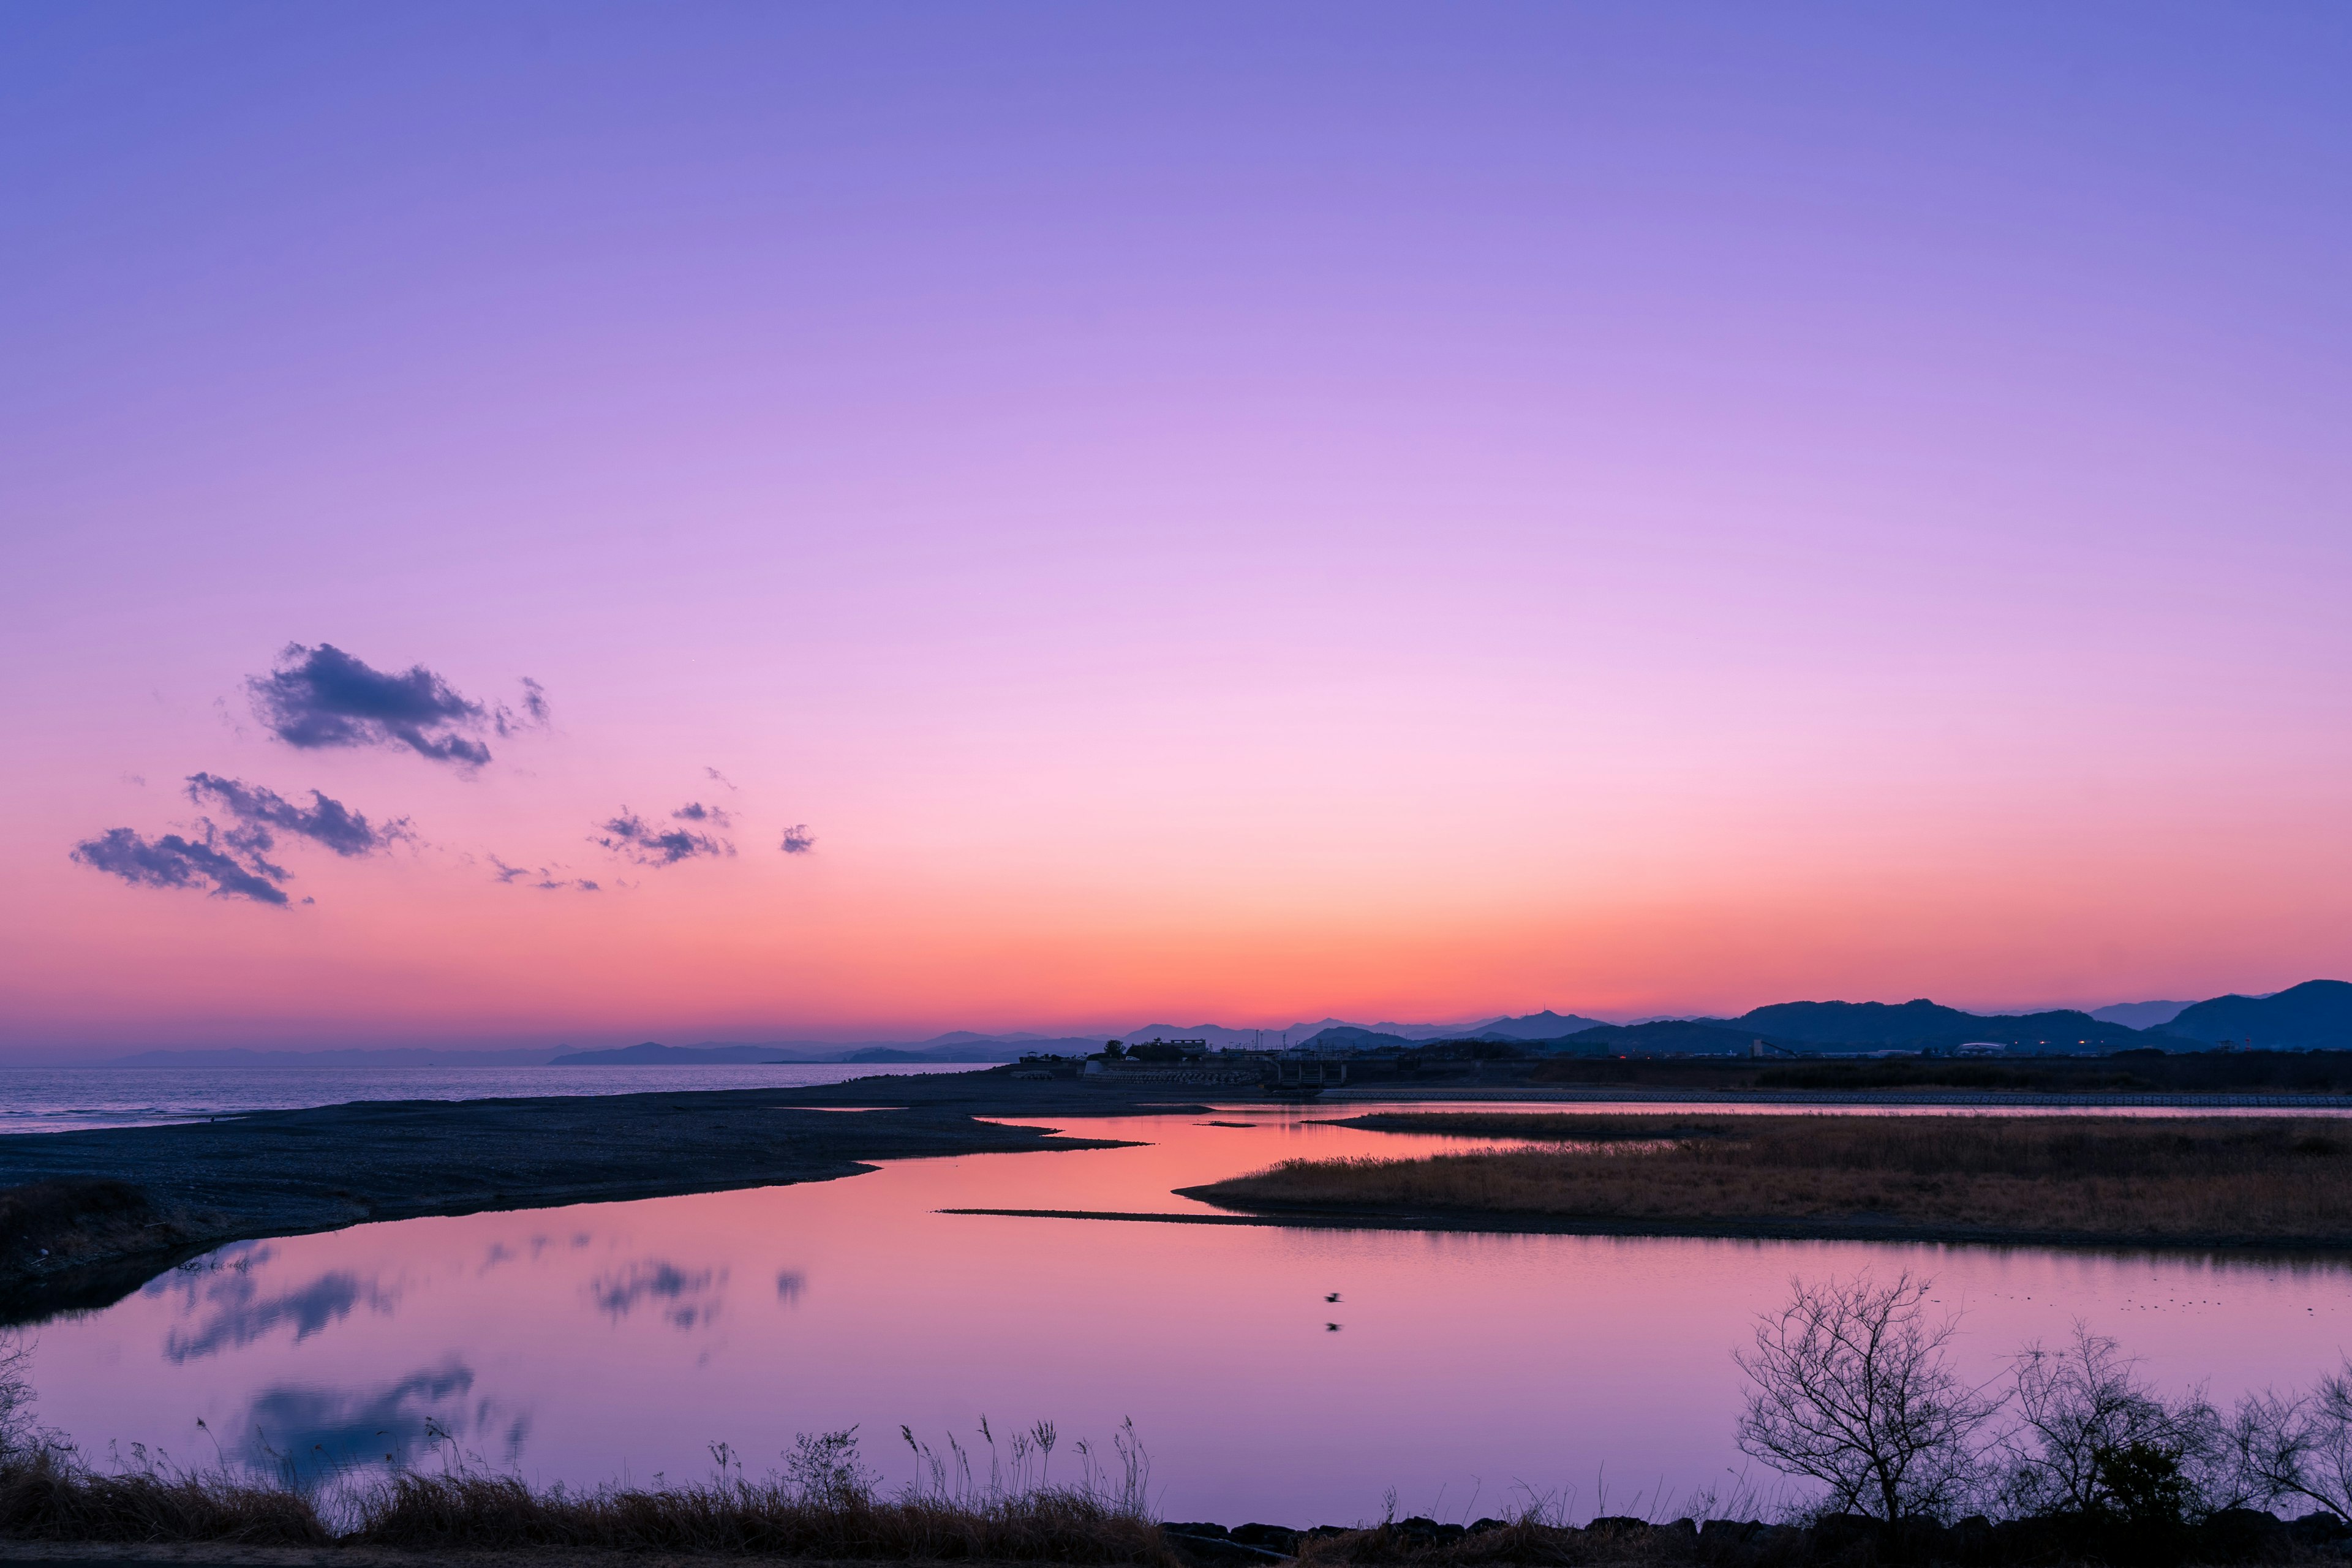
[1332, 1297]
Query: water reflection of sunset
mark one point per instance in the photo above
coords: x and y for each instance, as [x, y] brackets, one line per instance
[603, 1340]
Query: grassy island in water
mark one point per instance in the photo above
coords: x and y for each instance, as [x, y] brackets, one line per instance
[2203, 1181]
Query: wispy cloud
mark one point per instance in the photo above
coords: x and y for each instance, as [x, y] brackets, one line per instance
[695, 811]
[174, 861]
[322, 697]
[631, 836]
[798, 839]
[540, 877]
[325, 820]
[535, 712]
[718, 777]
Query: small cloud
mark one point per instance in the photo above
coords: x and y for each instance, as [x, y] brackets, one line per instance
[319, 697]
[322, 696]
[798, 839]
[541, 878]
[325, 820]
[138, 779]
[536, 715]
[695, 811]
[718, 777]
[174, 861]
[629, 834]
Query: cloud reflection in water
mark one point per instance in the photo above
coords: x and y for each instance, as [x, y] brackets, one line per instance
[688, 1299]
[239, 1313]
[314, 1431]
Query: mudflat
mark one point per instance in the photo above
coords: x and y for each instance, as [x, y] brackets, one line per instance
[114, 1207]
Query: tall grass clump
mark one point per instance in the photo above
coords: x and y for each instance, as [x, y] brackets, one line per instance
[824, 1502]
[968, 1502]
[47, 1493]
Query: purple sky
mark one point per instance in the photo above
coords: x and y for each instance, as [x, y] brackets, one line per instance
[1200, 511]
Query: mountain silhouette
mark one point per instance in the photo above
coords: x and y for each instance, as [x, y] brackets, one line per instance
[2315, 1014]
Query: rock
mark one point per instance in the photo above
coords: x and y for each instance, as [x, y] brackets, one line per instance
[2242, 1534]
[1838, 1532]
[1269, 1537]
[1618, 1524]
[2319, 1528]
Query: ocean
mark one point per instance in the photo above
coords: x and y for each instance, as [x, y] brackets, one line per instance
[71, 1099]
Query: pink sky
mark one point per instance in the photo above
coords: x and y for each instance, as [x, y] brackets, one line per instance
[1206, 516]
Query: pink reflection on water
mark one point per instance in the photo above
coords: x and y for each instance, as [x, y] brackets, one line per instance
[609, 1340]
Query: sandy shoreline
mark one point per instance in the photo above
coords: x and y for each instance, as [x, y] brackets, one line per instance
[283, 1173]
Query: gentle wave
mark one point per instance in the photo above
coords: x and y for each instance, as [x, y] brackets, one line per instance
[75, 1099]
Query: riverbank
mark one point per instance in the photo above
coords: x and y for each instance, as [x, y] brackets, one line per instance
[492, 1524]
[161, 1195]
[2204, 1182]
[54, 1511]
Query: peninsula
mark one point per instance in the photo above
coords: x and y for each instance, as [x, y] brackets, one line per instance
[88, 1217]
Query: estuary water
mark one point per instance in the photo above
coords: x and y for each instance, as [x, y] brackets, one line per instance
[69, 1100]
[602, 1341]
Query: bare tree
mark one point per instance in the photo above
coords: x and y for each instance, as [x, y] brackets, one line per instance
[1855, 1388]
[17, 1431]
[2301, 1446]
[2093, 1437]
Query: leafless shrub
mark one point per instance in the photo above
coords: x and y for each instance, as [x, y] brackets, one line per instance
[1855, 1389]
[2298, 1447]
[2092, 1437]
[823, 1469]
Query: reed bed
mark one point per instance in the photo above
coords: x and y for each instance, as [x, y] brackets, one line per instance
[765, 1519]
[967, 1505]
[48, 1495]
[2206, 1181]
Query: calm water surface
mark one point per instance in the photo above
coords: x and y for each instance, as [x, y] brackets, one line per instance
[618, 1339]
[70, 1099]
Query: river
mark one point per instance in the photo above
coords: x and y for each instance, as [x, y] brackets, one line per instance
[617, 1341]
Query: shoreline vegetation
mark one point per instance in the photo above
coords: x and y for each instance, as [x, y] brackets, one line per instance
[2316, 1074]
[2203, 1181]
[2096, 1468]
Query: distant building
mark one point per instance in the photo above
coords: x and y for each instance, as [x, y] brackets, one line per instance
[1979, 1048]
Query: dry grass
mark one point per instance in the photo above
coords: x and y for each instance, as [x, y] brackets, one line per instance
[2204, 1181]
[44, 1497]
[441, 1513]
[70, 1218]
[969, 1505]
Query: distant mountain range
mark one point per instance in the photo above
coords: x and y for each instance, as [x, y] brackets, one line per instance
[1544, 1026]
[2315, 1014]
[237, 1056]
[959, 1047]
[2138, 1015]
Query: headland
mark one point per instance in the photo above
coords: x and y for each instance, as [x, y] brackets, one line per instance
[91, 1215]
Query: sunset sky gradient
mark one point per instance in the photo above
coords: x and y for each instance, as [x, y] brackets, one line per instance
[1204, 512]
